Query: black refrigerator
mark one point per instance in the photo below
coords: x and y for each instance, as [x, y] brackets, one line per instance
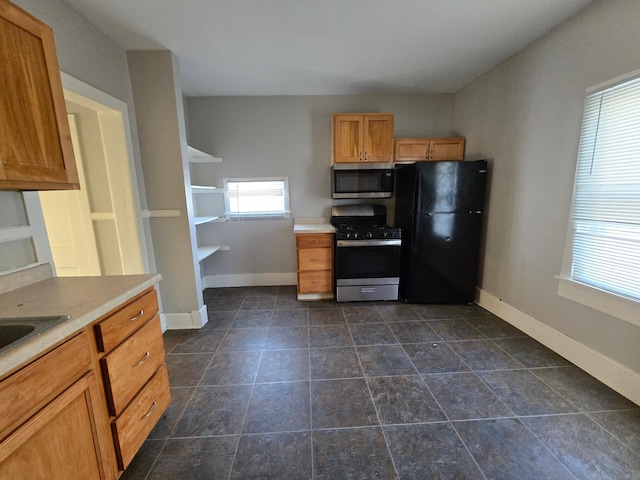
[439, 207]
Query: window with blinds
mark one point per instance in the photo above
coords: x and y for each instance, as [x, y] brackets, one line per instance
[604, 233]
[256, 197]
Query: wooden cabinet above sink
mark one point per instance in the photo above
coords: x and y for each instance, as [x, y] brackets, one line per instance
[35, 142]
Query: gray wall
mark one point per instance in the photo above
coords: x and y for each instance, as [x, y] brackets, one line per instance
[525, 115]
[288, 136]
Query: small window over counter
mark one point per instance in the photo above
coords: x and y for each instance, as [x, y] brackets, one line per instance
[247, 198]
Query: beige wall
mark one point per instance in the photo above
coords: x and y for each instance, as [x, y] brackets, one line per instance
[288, 136]
[525, 116]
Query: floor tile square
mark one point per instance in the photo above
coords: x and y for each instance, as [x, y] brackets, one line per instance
[493, 327]
[263, 291]
[283, 365]
[290, 318]
[231, 368]
[397, 313]
[525, 394]
[258, 303]
[207, 342]
[171, 338]
[146, 457]
[531, 353]
[282, 456]
[214, 411]
[186, 369]
[339, 362]
[463, 396]
[434, 312]
[252, 318]
[289, 302]
[180, 396]
[506, 449]
[220, 303]
[278, 407]
[435, 357]
[196, 458]
[341, 403]
[456, 329]
[623, 424]
[584, 447]
[583, 390]
[218, 320]
[362, 314]
[414, 332]
[430, 451]
[352, 453]
[287, 337]
[329, 336]
[244, 339]
[372, 334]
[484, 355]
[385, 360]
[404, 399]
[326, 316]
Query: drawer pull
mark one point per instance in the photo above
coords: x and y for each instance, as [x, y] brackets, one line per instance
[143, 359]
[314, 259]
[140, 313]
[153, 407]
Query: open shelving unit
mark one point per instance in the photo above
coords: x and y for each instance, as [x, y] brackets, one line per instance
[208, 203]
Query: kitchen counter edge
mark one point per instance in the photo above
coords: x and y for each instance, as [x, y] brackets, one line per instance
[84, 298]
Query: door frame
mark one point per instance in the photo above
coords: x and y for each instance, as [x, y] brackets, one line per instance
[120, 165]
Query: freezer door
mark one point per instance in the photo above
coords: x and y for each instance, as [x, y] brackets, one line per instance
[442, 266]
[452, 186]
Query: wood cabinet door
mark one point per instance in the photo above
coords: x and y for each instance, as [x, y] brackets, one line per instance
[35, 141]
[378, 138]
[446, 149]
[347, 138]
[411, 149]
[60, 441]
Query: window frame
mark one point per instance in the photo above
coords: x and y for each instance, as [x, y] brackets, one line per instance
[286, 213]
[619, 306]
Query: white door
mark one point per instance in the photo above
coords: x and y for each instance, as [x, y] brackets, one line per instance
[67, 217]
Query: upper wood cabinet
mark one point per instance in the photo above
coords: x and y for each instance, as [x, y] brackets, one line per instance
[35, 142]
[425, 149]
[359, 137]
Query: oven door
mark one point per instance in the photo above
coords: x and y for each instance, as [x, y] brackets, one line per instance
[367, 262]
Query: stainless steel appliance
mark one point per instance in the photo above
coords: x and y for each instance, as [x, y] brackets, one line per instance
[439, 207]
[362, 180]
[367, 254]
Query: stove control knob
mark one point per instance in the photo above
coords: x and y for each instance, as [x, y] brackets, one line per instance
[348, 235]
[355, 235]
[369, 235]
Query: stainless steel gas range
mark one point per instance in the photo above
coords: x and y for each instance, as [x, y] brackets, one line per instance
[367, 254]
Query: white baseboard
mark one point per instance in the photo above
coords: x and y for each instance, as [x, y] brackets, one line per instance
[249, 280]
[186, 321]
[617, 376]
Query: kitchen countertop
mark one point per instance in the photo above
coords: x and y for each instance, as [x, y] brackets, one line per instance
[84, 298]
[313, 225]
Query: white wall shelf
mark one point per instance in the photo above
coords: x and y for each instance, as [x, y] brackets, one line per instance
[197, 156]
[203, 220]
[205, 251]
[206, 190]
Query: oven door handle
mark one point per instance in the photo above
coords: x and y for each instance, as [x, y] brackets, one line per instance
[369, 243]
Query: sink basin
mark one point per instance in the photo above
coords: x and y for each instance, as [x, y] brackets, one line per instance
[16, 331]
[12, 333]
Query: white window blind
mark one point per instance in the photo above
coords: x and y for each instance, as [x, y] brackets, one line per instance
[605, 243]
[256, 197]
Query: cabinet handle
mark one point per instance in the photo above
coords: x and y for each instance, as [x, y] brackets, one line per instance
[314, 259]
[316, 241]
[153, 407]
[139, 314]
[143, 359]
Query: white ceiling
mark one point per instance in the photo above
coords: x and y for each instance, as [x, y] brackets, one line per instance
[328, 47]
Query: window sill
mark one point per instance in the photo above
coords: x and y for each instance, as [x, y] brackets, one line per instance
[276, 216]
[601, 300]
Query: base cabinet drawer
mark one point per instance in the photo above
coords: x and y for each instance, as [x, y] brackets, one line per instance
[132, 428]
[315, 282]
[130, 365]
[315, 259]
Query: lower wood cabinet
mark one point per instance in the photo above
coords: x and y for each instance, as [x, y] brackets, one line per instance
[53, 423]
[83, 410]
[315, 265]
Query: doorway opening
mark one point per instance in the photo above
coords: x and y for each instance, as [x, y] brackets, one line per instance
[96, 230]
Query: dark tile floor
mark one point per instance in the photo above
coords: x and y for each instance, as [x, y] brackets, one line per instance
[273, 388]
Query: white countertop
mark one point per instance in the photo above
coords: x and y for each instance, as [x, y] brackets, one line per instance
[84, 298]
[313, 225]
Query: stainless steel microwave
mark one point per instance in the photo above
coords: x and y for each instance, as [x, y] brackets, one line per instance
[362, 180]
